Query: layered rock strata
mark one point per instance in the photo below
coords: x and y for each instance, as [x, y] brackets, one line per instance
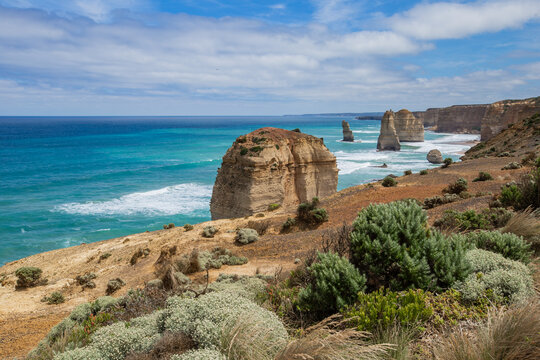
[272, 166]
[388, 139]
[347, 133]
[501, 114]
[408, 127]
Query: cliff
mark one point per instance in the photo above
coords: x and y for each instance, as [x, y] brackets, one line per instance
[408, 127]
[503, 113]
[388, 139]
[461, 118]
[270, 166]
[431, 117]
[347, 133]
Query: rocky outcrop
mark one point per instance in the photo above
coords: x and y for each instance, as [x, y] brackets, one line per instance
[388, 139]
[503, 113]
[408, 127]
[347, 133]
[434, 156]
[431, 117]
[272, 166]
[461, 118]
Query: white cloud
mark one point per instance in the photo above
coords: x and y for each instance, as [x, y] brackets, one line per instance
[335, 11]
[278, 7]
[446, 20]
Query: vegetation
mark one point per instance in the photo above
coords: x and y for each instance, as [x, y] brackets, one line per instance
[309, 213]
[334, 284]
[524, 194]
[243, 150]
[273, 207]
[389, 182]
[86, 280]
[392, 246]
[511, 166]
[509, 245]
[457, 188]
[288, 224]
[29, 276]
[483, 176]
[188, 227]
[169, 226]
[407, 172]
[438, 200]
[527, 225]
[471, 220]
[209, 231]
[447, 162]
[55, 298]
[246, 236]
[423, 172]
[140, 253]
[114, 285]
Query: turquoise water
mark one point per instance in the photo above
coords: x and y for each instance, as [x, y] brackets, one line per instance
[65, 181]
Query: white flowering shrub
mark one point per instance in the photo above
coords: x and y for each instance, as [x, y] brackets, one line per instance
[204, 318]
[200, 354]
[81, 312]
[507, 279]
[246, 286]
[79, 354]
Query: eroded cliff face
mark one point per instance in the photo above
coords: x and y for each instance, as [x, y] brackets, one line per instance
[431, 117]
[408, 127]
[271, 165]
[388, 139]
[503, 113]
[461, 118]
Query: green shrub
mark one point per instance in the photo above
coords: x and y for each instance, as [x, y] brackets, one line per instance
[54, 299]
[438, 200]
[335, 283]
[423, 172]
[104, 256]
[389, 182]
[114, 285]
[246, 236]
[209, 231]
[273, 207]
[510, 195]
[86, 280]
[392, 246]
[309, 213]
[407, 172]
[457, 188]
[447, 162]
[471, 220]
[382, 308]
[507, 280]
[511, 166]
[510, 246]
[449, 308]
[28, 276]
[256, 149]
[483, 176]
[188, 227]
[243, 150]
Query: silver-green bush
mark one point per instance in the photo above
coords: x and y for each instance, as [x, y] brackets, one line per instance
[246, 236]
[200, 354]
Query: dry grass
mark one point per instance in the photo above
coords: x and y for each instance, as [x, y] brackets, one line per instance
[507, 335]
[330, 340]
[260, 226]
[338, 240]
[527, 224]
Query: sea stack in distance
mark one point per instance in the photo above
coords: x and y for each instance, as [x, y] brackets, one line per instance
[388, 139]
[347, 132]
[408, 127]
[272, 166]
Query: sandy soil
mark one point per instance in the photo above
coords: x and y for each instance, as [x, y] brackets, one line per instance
[24, 319]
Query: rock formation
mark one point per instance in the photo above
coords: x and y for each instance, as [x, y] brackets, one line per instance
[503, 113]
[347, 133]
[431, 117]
[388, 139]
[272, 166]
[461, 118]
[408, 127]
[434, 156]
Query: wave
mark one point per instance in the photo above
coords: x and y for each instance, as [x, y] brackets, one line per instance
[171, 200]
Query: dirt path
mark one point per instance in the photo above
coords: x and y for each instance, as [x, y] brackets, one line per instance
[24, 319]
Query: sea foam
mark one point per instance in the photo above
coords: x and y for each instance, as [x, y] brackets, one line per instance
[171, 200]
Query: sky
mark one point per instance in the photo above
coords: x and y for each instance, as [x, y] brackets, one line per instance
[216, 57]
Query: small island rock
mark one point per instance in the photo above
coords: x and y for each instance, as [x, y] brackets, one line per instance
[347, 133]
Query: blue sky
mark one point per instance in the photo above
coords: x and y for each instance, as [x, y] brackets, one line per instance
[215, 57]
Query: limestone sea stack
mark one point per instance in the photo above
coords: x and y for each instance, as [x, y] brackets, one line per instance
[388, 139]
[347, 133]
[272, 166]
[408, 127]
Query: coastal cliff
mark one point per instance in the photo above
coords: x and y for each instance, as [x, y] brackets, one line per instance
[388, 139]
[272, 166]
[503, 113]
[408, 127]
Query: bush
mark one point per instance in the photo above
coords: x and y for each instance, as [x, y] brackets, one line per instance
[447, 162]
[246, 236]
[438, 200]
[506, 279]
[114, 285]
[200, 354]
[423, 172]
[407, 172]
[309, 213]
[510, 195]
[273, 207]
[28, 276]
[243, 150]
[170, 226]
[54, 299]
[86, 280]
[483, 176]
[382, 308]
[526, 224]
[335, 283]
[393, 248]
[261, 226]
[510, 246]
[140, 253]
[471, 220]
[457, 188]
[188, 227]
[511, 166]
[389, 182]
[288, 224]
[209, 231]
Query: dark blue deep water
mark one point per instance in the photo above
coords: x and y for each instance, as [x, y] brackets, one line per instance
[64, 181]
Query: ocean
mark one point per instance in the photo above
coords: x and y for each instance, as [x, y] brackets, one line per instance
[69, 180]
